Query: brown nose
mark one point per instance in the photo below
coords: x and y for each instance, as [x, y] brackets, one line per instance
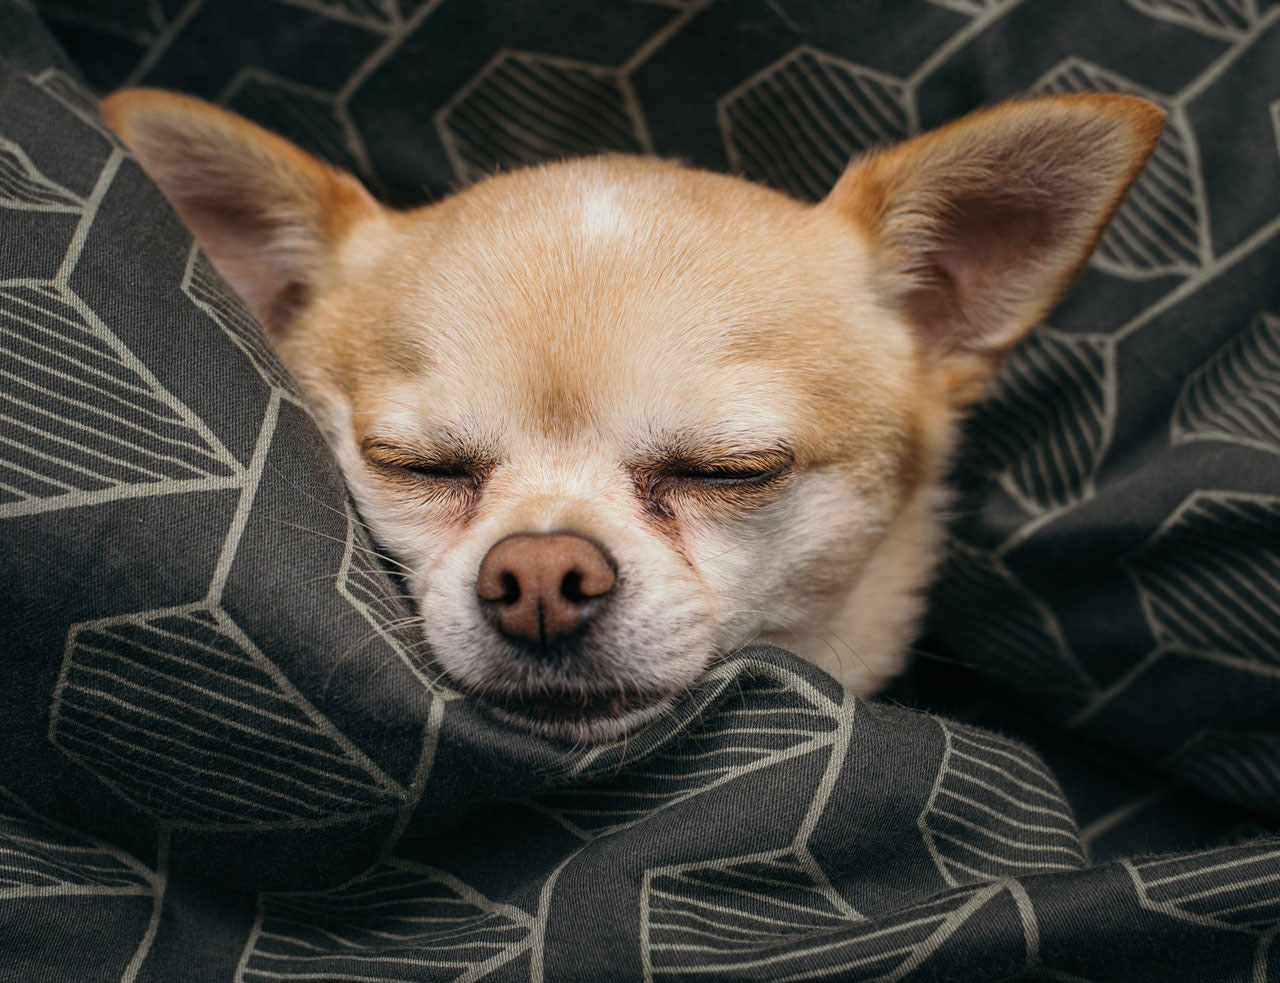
[540, 587]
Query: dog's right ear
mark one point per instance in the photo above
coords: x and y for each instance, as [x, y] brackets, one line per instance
[977, 228]
[268, 214]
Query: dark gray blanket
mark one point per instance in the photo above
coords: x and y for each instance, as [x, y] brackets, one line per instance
[227, 757]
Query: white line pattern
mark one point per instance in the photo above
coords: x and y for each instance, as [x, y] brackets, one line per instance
[183, 716]
[1236, 766]
[80, 417]
[373, 15]
[364, 586]
[1235, 396]
[996, 812]
[883, 949]
[773, 722]
[302, 113]
[1018, 634]
[1209, 579]
[1044, 429]
[76, 98]
[1275, 123]
[796, 124]
[400, 922]
[528, 107]
[39, 859]
[971, 7]
[733, 908]
[1226, 19]
[754, 902]
[202, 283]
[1235, 887]
[22, 186]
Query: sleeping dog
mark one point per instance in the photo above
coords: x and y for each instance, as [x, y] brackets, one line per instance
[618, 416]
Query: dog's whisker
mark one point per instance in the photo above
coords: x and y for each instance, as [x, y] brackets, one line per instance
[349, 513]
[921, 653]
[796, 624]
[379, 632]
[332, 578]
[338, 539]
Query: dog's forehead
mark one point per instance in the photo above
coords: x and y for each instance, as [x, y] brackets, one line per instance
[624, 289]
[619, 244]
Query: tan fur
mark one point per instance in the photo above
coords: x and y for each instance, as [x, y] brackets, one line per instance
[569, 331]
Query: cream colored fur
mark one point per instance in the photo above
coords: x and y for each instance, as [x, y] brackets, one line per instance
[568, 331]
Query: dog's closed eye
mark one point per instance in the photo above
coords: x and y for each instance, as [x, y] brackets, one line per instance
[442, 475]
[466, 472]
[713, 483]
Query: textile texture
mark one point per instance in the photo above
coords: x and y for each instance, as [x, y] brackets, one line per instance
[227, 754]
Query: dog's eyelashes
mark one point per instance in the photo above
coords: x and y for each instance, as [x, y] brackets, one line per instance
[752, 468]
[444, 474]
[462, 472]
[443, 470]
[737, 482]
[724, 475]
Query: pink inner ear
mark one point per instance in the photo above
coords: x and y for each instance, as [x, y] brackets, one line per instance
[238, 247]
[987, 258]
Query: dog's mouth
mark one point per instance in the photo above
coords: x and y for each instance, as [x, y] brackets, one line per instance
[577, 715]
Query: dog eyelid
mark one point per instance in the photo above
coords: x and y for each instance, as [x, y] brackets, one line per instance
[751, 466]
[442, 470]
[729, 480]
[450, 466]
[729, 472]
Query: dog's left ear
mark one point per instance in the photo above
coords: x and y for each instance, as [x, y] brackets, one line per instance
[978, 227]
[270, 216]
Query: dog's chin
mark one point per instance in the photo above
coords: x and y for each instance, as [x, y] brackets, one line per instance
[576, 716]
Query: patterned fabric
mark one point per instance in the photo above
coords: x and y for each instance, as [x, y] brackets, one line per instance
[228, 757]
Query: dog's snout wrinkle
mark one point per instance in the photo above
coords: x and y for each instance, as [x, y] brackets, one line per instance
[541, 587]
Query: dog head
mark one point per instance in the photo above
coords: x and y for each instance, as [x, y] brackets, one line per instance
[618, 416]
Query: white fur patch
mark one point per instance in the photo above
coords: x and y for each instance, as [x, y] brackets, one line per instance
[602, 217]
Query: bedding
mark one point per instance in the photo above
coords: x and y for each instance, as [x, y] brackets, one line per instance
[227, 754]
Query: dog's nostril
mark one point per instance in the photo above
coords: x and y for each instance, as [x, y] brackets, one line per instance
[571, 588]
[510, 588]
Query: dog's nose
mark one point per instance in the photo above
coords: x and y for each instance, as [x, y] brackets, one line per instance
[540, 587]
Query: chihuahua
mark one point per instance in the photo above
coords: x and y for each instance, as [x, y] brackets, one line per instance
[617, 416]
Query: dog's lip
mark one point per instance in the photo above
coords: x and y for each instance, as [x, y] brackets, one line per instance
[604, 712]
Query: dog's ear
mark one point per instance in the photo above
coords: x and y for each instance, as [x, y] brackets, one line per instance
[269, 215]
[978, 227]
